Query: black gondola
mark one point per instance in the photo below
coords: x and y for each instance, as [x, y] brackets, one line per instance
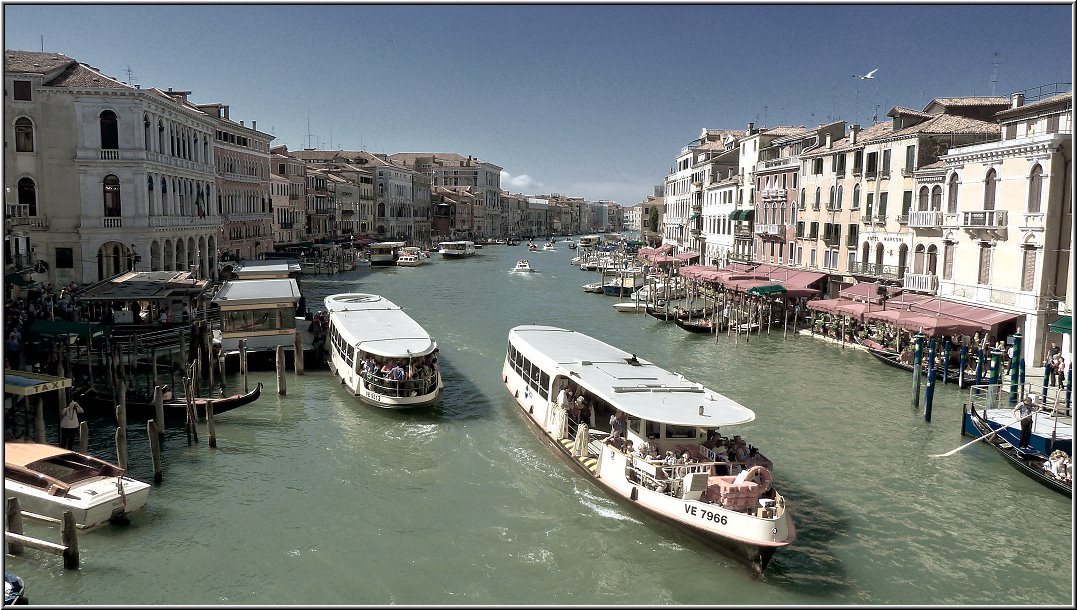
[698, 325]
[1028, 462]
[661, 313]
[894, 360]
[93, 399]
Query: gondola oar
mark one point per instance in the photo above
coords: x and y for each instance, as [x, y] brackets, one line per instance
[975, 440]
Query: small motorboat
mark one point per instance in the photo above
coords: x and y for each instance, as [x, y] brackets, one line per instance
[522, 266]
[409, 260]
[14, 590]
[49, 481]
[531, 247]
[630, 307]
[595, 287]
[549, 247]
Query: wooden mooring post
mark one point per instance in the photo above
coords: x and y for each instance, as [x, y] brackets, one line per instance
[159, 412]
[155, 450]
[210, 427]
[282, 381]
[299, 356]
[84, 437]
[243, 363]
[17, 540]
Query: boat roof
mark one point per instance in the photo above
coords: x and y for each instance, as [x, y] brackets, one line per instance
[279, 268]
[378, 325]
[24, 454]
[386, 244]
[634, 385]
[241, 292]
[457, 243]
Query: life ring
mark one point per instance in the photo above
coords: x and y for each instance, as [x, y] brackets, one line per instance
[760, 476]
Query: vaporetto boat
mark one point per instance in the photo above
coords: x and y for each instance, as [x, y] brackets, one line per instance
[456, 249]
[369, 338]
[741, 515]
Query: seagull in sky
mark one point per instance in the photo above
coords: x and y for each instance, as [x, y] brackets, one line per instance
[869, 75]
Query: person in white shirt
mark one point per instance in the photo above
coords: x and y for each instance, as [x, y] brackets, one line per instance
[69, 425]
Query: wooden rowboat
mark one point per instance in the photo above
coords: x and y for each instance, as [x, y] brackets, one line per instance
[1029, 462]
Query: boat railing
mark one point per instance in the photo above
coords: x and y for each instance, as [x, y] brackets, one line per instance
[402, 387]
[1006, 396]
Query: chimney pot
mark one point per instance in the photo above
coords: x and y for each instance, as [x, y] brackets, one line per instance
[1018, 100]
[853, 131]
[828, 143]
[254, 124]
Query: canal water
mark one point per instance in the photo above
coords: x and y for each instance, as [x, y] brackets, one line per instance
[315, 498]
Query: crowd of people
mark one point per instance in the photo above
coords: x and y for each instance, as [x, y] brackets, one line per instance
[406, 377]
[43, 302]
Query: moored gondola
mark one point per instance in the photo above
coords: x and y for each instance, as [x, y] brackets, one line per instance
[175, 408]
[894, 359]
[1029, 462]
[699, 325]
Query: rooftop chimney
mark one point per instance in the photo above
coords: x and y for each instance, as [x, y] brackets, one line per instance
[1018, 100]
[254, 125]
[853, 131]
[828, 143]
[751, 128]
[226, 112]
[241, 122]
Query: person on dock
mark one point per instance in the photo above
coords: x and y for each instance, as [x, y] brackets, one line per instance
[69, 425]
[1024, 411]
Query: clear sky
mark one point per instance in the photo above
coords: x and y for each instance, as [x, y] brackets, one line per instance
[592, 101]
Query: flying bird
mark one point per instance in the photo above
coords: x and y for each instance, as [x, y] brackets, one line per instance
[869, 75]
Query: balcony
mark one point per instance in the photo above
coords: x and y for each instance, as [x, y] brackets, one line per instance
[876, 270]
[929, 219]
[857, 171]
[984, 219]
[183, 221]
[879, 219]
[921, 282]
[767, 229]
[112, 222]
[773, 193]
[743, 257]
[234, 177]
[903, 219]
[870, 175]
[110, 154]
[831, 240]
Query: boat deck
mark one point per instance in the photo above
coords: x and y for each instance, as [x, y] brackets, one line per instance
[1043, 425]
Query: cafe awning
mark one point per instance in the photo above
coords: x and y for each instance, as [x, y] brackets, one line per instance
[18, 280]
[1063, 325]
[767, 290]
[741, 214]
[58, 328]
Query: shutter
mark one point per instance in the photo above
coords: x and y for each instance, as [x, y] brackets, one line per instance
[1028, 268]
[947, 261]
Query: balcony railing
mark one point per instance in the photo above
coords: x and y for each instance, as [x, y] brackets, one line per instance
[889, 272]
[744, 257]
[921, 282]
[831, 240]
[112, 222]
[866, 218]
[984, 219]
[110, 154]
[234, 177]
[766, 229]
[903, 219]
[879, 219]
[870, 175]
[858, 171]
[930, 219]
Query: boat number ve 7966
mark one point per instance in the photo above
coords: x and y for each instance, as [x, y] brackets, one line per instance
[705, 514]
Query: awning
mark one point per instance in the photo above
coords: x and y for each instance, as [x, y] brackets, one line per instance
[693, 217]
[58, 328]
[25, 383]
[18, 280]
[767, 290]
[987, 319]
[1063, 325]
[871, 291]
[741, 214]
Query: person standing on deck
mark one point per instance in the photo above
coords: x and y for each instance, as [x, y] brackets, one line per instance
[1024, 411]
[69, 425]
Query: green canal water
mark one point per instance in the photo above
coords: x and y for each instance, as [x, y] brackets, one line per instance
[315, 498]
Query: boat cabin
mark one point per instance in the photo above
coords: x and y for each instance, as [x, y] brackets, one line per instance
[260, 311]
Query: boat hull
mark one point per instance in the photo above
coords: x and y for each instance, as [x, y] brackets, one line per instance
[891, 359]
[1029, 463]
[175, 410]
[699, 326]
[96, 501]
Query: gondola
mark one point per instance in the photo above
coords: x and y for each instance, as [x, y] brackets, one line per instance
[697, 325]
[894, 359]
[677, 313]
[1028, 462]
[175, 409]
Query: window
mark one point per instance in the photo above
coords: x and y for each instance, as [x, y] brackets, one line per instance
[1035, 186]
[856, 197]
[854, 233]
[990, 185]
[1010, 131]
[922, 203]
[947, 260]
[951, 201]
[110, 138]
[818, 195]
[800, 229]
[906, 202]
[65, 258]
[985, 264]
[24, 135]
[870, 205]
[886, 162]
[22, 90]
[817, 166]
[910, 159]
[1028, 267]
[830, 202]
[814, 233]
[812, 257]
[882, 204]
[873, 163]
[838, 207]
[1052, 124]
[112, 196]
[28, 195]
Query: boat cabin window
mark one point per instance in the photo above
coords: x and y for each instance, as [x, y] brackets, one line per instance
[673, 431]
[252, 320]
[635, 424]
[536, 378]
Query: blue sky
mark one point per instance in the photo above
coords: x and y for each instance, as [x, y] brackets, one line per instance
[592, 101]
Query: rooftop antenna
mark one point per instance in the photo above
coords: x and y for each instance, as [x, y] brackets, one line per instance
[42, 43]
[764, 115]
[308, 126]
[128, 71]
[994, 72]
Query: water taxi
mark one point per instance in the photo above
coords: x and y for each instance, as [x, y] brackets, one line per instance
[589, 241]
[380, 354]
[410, 257]
[743, 515]
[49, 480]
[457, 249]
[522, 266]
[384, 253]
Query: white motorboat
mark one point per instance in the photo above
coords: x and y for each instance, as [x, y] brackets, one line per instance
[457, 249]
[410, 257]
[595, 287]
[384, 253]
[49, 480]
[631, 307]
[549, 247]
[743, 514]
[369, 337]
[522, 266]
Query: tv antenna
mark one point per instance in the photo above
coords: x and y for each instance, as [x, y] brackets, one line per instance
[994, 72]
[308, 127]
[128, 71]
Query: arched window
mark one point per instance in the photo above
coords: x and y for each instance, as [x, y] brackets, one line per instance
[918, 259]
[818, 196]
[146, 130]
[111, 186]
[856, 197]
[803, 197]
[1028, 266]
[24, 135]
[161, 138]
[164, 198]
[922, 200]
[110, 134]
[28, 195]
[932, 259]
[1035, 186]
[990, 186]
[840, 190]
[951, 201]
[936, 198]
[830, 202]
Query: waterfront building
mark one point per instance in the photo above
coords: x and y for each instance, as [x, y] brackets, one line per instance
[242, 158]
[103, 177]
[536, 219]
[683, 191]
[289, 207]
[455, 170]
[514, 209]
[719, 165]
[651, 211]
[1005, 228]
[632, 219]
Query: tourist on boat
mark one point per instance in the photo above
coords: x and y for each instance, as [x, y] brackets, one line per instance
[616, 440]
[397, 372]
[646, 448]
[69, 425]
[721, 456]
[1023, 412]
[617, 422]
[1059, 465]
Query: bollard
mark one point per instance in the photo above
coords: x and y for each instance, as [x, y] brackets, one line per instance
[13, 524]
[993, 389]
[1021, 375]
[159, 412]
[210, 427]
[961, 366]
[153, 356]
[979, 366]
[183, 348]
[155, 451]
[299, 355]
[282, 387]
[946, 362]
[69, 538]
[917, 360]
[929, 391]
[1046, 378]
[121, 448]
[39, 420]
[1014, 366]
[243, 363]
[84, 437]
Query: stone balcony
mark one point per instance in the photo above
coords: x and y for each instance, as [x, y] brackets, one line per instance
[930, 219]
[921, 282]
